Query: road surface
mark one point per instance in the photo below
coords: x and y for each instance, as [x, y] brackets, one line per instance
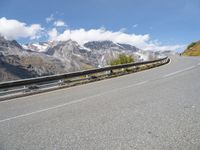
[153, 109]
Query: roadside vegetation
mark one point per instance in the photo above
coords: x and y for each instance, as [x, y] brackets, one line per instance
[191, 45]
[122, 59]
[192, 50]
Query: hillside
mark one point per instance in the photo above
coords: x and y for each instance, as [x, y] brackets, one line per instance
[192, 50]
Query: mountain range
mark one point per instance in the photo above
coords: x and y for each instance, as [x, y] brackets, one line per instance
[55, 57]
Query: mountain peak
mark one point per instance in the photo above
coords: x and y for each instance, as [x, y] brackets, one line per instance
[100, 45]
[7, 43]
[2, 38]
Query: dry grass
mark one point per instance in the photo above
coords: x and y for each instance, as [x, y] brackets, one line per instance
[193, 50]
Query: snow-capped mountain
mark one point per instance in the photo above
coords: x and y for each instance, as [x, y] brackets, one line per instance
[53, 57]
[102, 45]
[105, 51]
[17, 62]
[38, 47]
[97, 52]
[71, 54]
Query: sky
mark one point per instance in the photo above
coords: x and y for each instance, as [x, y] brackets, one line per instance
[147, 24]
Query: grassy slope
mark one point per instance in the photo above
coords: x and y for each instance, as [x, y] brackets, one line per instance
[192, 50]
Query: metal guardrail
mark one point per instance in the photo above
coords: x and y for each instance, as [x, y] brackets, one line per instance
[30, 81]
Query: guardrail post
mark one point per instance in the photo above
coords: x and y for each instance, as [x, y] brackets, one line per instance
[24, 87]
[109, 72]
[60, 82]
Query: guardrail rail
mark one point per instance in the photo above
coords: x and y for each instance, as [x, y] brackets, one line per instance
[46, 82]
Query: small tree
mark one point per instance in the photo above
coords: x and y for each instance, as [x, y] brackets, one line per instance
[122, 59]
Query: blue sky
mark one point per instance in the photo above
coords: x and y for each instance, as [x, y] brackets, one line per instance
[169, 22]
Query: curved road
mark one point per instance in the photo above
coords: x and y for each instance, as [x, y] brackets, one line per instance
[153, 109]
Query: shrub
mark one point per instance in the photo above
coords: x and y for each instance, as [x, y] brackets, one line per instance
[191, 45]
[122, 59]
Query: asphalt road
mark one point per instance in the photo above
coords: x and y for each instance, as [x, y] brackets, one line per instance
[153, 109]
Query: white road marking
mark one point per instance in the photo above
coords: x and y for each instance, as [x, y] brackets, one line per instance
[140, 83]
[177, 72]
[70, 103]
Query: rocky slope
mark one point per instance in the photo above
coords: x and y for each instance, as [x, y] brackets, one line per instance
[193, 49]
[17, 62]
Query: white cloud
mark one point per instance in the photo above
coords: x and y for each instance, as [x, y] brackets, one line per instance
[50, 18]
[53, 34]
[123, 30]
[135, 25]
[59, 23]
[13, 29]
[82, 36]
[153, 46]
